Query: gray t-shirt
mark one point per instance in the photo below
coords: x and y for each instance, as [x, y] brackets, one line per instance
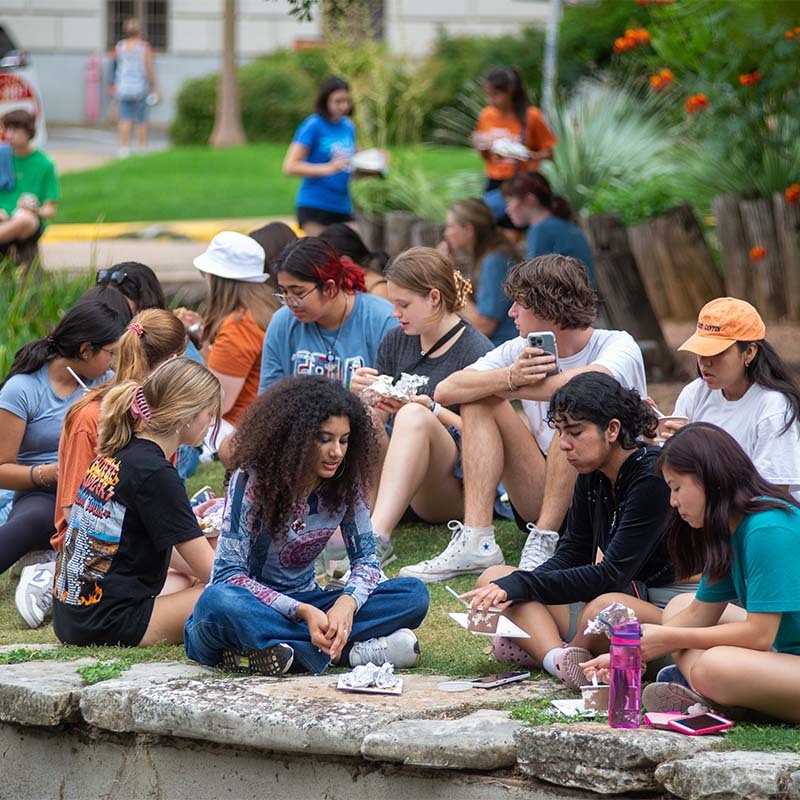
[398, 353]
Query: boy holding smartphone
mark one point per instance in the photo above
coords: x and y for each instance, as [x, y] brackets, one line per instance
[549, 293]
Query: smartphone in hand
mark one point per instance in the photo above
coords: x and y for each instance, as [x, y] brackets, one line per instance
[545, 340]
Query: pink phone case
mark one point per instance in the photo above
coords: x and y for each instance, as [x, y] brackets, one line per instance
[723, 724]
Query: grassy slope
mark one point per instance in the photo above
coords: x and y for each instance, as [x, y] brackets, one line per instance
[200, 183]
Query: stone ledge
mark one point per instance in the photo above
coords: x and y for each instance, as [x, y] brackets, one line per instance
[602, 759]
[483, 740]
[733, 775]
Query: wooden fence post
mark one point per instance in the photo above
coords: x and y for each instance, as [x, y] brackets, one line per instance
[370, 229]
[787, 228]
[426, 234]
[653, 269]
[397, 231]
[622, 291]
[733, 246]
[759, 227]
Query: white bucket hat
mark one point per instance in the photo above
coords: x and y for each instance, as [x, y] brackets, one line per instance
[234, 256]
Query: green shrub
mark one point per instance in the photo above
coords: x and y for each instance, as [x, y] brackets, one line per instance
[32, 305]
[276, 93]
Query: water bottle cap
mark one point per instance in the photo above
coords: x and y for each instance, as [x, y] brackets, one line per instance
[626, 632]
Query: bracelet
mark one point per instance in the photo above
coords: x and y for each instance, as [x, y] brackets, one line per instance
[32, 477]
[436, 408]
[511, 385]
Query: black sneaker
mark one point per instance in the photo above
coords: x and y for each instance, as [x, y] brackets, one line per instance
[271, 661]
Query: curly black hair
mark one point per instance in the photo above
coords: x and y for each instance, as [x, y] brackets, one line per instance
[276, 442]
[598, 398]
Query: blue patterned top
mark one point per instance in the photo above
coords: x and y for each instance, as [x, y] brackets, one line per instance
[274, 565]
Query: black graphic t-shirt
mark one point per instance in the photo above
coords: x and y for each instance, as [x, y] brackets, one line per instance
[131, 508]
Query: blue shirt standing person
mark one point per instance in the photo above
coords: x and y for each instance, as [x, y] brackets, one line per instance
[320, 154]
[330, 326]
[530, 201]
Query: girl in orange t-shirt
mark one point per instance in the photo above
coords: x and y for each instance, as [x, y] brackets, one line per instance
[509, 116]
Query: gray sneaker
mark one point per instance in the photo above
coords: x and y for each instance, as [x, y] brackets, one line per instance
[539, 547]
[34, 595]
[384, 551]
[400, 648]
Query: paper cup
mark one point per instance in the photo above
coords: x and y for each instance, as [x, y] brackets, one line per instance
[595, 698]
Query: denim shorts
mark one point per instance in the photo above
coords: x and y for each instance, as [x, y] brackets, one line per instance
[133, 110]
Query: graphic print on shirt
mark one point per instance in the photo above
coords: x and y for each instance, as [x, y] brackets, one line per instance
[93, 536]
[316, 363]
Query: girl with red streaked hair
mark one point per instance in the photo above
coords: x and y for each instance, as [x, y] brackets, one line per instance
[329, 324]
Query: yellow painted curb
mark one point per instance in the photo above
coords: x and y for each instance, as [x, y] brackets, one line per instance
[202, 230]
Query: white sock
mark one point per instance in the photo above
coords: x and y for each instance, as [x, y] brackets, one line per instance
[548, 662]
[473, 535]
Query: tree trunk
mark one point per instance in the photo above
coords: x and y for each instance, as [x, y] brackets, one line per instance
[426, 234]
[645, 247]
[228, 130]
[768, 288]
[733, 246]
[787, 227]
[370, 229]
[397, 231]
[623, 294]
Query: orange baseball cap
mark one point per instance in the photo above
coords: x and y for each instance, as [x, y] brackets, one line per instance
[723, 322]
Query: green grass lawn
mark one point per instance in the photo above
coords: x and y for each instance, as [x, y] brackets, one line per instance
[446, 648]
[201, 183]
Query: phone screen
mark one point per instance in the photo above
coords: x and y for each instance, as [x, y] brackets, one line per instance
[700, 722]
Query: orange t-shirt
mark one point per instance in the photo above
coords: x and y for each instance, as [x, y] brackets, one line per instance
[499, 125]
[237, 352]
[76, 450]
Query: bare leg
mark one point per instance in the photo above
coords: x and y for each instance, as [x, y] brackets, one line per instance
[383, 447]
[176, 582]
[19, 227]
[141, 135]
[498, 445]
[170, 612]
[417, 470]
[763, 681]
[558, 487]
[124, 129]
[311, 228]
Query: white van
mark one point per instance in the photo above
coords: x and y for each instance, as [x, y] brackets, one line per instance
[18, 85]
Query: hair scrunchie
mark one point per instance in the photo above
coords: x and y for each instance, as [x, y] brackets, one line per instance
[136, 328]
[140, 408]
[463, 288]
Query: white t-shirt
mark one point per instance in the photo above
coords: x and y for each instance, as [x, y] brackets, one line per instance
[617, 351]
[755, 420]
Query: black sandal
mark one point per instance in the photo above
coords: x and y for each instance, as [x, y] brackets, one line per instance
[271, 661]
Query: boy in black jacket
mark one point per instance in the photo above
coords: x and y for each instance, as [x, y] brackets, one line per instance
[614, 536]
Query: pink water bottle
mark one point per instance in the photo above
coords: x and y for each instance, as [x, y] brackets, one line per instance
[624, 699]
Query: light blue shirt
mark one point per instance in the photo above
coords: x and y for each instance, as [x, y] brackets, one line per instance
[325, 141]
[491, 300]
[31, 398]
[292, 347]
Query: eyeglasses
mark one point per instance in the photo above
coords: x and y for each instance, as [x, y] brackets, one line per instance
[292, 299]
[108, 276]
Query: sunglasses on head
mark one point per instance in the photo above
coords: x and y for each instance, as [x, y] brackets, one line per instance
[115, 277]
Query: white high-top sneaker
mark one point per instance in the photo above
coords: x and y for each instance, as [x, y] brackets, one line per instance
[467, 553]
[539, 547]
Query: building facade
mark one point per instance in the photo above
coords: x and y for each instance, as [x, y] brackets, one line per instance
[69, 39]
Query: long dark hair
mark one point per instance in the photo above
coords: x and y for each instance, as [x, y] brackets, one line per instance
[331, 84]
[276, 441]
[140, 284]
[312, 259]
[733, 487]
[109, 296]
[509, 79]
[598, 398]
[88, 321]
[768, 371]
[525, 183]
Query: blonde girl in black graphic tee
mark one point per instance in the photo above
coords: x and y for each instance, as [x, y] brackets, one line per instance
[131, 509]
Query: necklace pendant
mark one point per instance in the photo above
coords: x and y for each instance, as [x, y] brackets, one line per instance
[330, 358]
[298, 525]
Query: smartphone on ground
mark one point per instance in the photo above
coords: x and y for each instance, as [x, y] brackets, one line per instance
[699, 724]
[500, 679]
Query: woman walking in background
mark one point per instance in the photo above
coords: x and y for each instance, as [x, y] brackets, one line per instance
[320, 154]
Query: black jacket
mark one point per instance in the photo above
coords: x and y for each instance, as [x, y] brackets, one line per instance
[626, 524]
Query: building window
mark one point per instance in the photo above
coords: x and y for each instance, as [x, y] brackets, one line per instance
[152, 14]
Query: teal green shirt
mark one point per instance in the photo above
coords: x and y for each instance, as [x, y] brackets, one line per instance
[765, 573]
[33, 174]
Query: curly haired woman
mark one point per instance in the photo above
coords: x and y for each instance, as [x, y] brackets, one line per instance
[303, 453]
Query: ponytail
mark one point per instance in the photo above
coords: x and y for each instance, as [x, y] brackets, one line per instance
[525, 183]
[117, 425]
[509, 80]
[560, 207]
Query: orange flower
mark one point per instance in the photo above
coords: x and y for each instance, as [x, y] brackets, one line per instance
[662, 80]
[750, 78]
[634, 37]
[696, 102]
[792, 194]
[757, 253]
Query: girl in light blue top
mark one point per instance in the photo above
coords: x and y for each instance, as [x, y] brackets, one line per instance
[320, 154]
[329, 326]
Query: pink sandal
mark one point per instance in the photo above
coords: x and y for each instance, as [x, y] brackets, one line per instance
[508, 650]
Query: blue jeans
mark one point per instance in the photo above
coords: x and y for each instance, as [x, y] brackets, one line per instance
[231, 618]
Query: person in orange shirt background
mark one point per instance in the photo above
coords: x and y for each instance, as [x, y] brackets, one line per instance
[509, 119]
